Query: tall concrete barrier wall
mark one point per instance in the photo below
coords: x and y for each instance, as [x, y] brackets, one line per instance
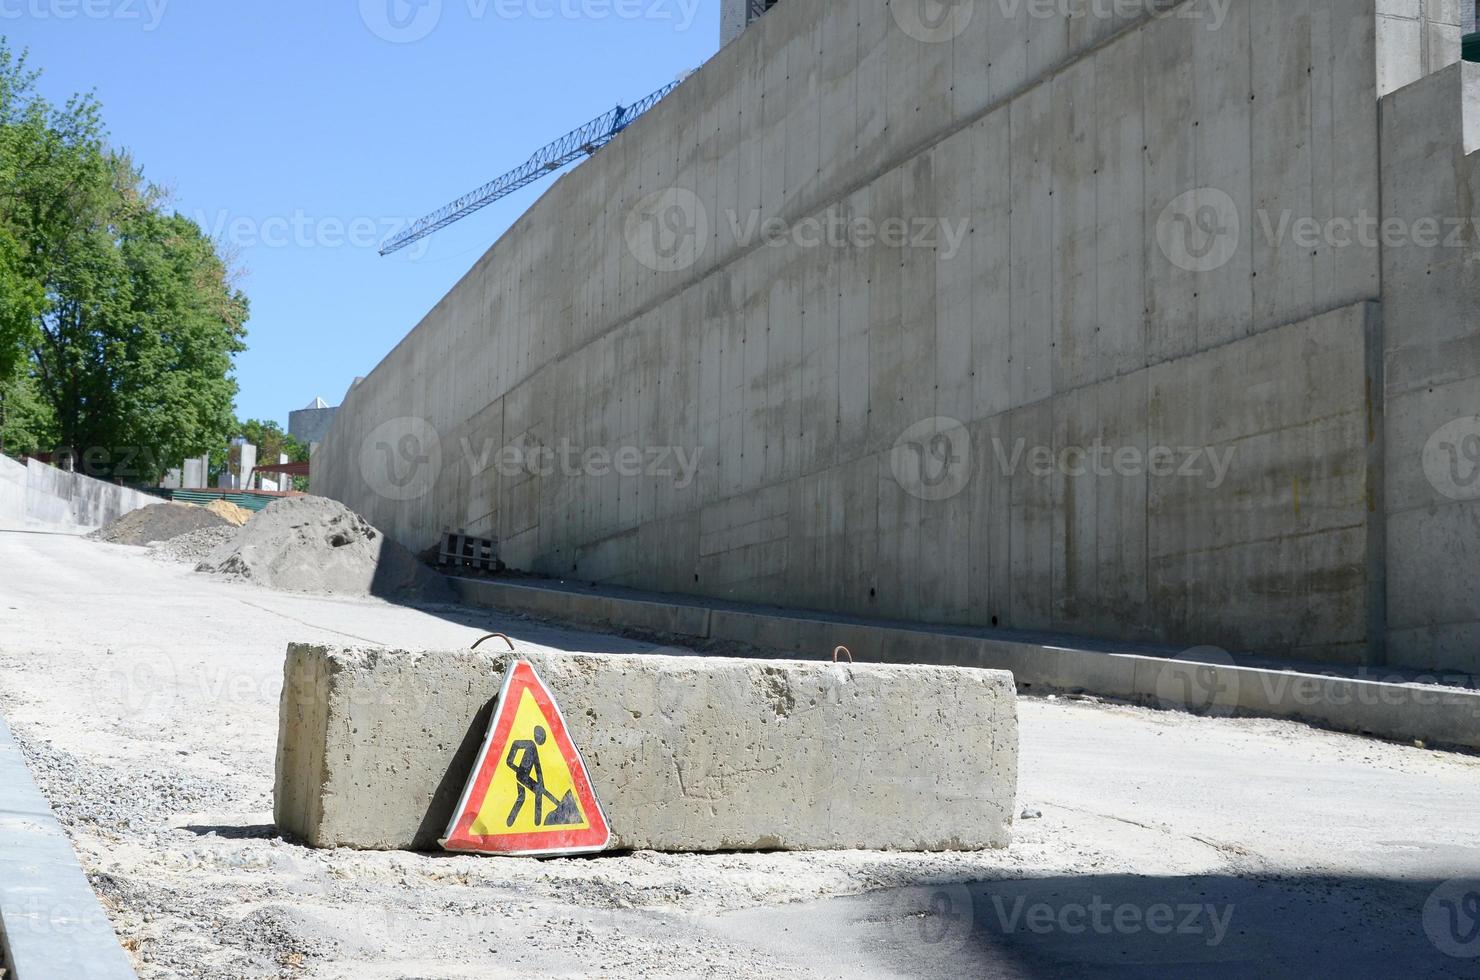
[1431, 299]
[35, 493]
[1001, 319]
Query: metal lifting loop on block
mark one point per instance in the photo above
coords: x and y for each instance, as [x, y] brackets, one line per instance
[845, 651]
[495, 636]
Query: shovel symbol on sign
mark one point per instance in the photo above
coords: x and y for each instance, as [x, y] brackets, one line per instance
[524, 759]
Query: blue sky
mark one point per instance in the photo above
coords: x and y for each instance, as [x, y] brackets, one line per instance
[303, 131]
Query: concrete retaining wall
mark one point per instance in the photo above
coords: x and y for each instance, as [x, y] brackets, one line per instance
[12, 490]
[36, 493]
[1005, 415]
[1438, 710]
[684, 753]
[1431, 299]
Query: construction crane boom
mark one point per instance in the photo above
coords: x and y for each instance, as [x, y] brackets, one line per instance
[547, 160]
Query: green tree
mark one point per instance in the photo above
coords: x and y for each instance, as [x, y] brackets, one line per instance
[131, 344]
[26, 423]
[22, 293]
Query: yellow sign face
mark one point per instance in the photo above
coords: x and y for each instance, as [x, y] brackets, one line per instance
[532, 790]
[529, 792]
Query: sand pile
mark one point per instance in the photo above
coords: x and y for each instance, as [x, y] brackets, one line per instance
[229, 512]
[312, 544]
[157, 522]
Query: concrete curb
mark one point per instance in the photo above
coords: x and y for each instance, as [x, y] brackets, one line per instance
[1406, 712]
[52, 926]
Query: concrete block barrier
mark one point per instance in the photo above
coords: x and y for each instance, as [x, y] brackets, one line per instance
[684, 753]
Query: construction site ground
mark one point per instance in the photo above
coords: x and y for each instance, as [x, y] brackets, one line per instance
[145, 697]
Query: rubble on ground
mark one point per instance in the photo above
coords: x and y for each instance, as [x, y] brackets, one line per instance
[194, 547]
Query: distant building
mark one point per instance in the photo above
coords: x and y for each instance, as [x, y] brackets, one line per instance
[736, 15]
[309, 425]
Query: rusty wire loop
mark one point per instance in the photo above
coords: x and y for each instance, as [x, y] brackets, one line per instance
[492, 636]
[843, 650]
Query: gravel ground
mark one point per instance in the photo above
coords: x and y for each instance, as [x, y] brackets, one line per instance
[194, 547]
[145, 698]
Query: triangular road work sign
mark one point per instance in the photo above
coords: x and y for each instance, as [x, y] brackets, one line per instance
[529, 793]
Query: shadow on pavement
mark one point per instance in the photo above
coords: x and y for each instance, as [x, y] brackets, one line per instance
[1125, 926]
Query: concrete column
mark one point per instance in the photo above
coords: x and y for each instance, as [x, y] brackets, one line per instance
[248, 464]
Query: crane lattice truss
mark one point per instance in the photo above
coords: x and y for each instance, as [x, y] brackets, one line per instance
[547, 160]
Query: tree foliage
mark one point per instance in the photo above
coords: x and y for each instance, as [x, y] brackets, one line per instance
[120, 316]
[26, 422]
[271, 441]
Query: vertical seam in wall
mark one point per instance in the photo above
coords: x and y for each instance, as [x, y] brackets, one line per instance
[1197, 320]
[1375, 376]
[1055, 201]
[1377, 594]
[1307, 598]
[868, 313]
[1095, 163]
[1146, 245]
[1420, 19]
[1010, 605]
[1253, 106]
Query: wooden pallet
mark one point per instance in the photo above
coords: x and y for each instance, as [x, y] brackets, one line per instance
[461, 550]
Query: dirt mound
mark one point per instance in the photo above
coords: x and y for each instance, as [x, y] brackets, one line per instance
[313, 544]
[229, 512]
[157, 522]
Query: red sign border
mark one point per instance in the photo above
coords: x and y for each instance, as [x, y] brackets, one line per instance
[522, 677]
